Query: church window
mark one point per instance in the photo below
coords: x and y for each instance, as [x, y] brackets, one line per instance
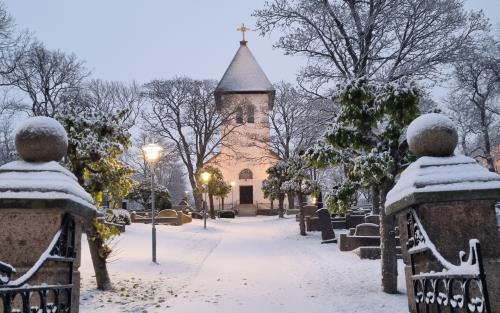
[239, 115]
[250, 114]
[246, 174]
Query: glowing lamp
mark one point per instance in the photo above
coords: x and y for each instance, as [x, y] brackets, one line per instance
[152, 151]
[205, 177]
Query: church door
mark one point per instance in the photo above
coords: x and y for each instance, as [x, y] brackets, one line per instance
[246, 194]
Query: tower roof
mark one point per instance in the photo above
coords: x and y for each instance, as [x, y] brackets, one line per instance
[244, 75]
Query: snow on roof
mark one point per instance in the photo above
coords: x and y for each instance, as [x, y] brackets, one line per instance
[43, 181]
[434, 179]
[244, 74]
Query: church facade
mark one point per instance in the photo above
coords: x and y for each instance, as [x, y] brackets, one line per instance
[245, 153]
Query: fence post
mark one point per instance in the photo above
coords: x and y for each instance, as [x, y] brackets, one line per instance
[42, 209]
[445, 204]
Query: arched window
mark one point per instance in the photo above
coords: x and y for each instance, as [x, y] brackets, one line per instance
[246, 174]
[250, 113]
[239, 115]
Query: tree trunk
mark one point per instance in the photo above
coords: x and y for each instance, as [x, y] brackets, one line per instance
[302, 220]
[222, 202]
[98, 259]
[375, 200]
[389, 259]
[212, 210]
[291, 204]
[281, 210]
[487, 144]
[198, 200]
[99, 263]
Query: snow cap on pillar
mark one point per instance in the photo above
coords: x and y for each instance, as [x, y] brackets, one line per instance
[38, 180]
[41, 139]
[439, 175]
[432, 134]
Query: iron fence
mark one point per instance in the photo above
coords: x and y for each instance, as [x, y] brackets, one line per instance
[20, 295]
[456, 287]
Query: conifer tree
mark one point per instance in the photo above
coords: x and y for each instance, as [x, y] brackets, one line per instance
[96, 140]
[365, 140]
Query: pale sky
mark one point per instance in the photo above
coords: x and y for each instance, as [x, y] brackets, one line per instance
[145, 39]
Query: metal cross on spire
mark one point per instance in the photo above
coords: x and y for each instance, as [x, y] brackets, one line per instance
[243, 29]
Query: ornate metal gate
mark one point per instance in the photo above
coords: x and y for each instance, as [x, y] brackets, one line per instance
[18, 295]
[457, 288]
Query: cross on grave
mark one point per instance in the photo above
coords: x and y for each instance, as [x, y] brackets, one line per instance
[243, 29]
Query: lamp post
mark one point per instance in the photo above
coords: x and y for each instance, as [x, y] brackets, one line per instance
[205, 177]
[232, 194]
[152, 153]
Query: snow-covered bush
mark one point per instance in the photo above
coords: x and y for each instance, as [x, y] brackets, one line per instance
[118, 216]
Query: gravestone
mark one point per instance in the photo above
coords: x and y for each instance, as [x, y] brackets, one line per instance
[367, 229]
[325, 225]
[227, 214]
[374, 219]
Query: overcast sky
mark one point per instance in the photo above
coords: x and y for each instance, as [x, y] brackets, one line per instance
[146, 39]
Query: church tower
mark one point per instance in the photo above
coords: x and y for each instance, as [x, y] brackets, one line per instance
[245, 152]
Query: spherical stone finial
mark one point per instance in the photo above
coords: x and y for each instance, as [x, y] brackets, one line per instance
[432, 134]
[41, 139]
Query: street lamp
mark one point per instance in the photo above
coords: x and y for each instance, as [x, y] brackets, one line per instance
[205, 177]
[232, 194]
[314, 200]
[152, 153]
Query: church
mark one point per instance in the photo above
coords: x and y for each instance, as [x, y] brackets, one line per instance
[245, 152]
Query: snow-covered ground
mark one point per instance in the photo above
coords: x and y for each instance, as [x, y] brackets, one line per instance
[253, 264]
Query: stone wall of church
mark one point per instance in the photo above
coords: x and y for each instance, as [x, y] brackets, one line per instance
[247, 145]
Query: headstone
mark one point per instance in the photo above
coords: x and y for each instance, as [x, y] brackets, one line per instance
[353, 220]
[167, 213]
[227, 214]
[367, 229]
[325, 225]
[374, 219]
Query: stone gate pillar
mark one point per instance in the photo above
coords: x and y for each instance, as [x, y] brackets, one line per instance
[42, 209]
[445, 205]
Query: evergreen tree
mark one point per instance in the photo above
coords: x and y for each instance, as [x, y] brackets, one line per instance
[141, 193]
[299, 184]
[365, 141]
[271, 186]
[96, 140]
[216, 186]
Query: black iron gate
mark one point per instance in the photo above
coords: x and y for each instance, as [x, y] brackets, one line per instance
[456, 287]
[20, 296]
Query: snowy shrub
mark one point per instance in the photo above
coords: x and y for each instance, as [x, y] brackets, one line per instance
[118, 216]
[339, 199]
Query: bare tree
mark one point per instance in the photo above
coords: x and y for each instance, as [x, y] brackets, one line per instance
[45, 76]
[380, 39]
[13, 44]
[112, 96]
[168, 167]
[183, 111]
[474, 100]
[296, 121]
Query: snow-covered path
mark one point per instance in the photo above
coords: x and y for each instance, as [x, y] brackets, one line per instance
[256, 264]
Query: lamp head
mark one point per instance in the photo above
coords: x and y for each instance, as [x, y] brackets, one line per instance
[314, 200]
[205, 177]
[152, 152]
[233, 184]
